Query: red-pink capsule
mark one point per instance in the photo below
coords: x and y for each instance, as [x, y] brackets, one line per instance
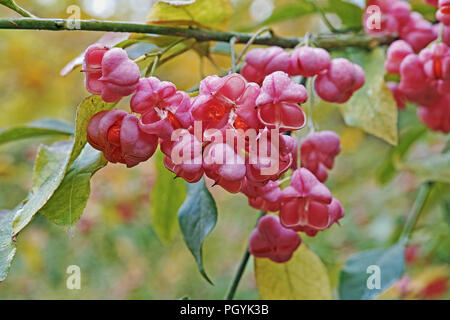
[305, 202]
[117, 134]
[396, 52]
[184, 156]
[443, 14]
[318, 151]
[220, 96]
[309, 62]
[223, 165]
[437, 116]
[264, 61]
[271, 240]
[278, 103]
[341, 80]
[418, 32]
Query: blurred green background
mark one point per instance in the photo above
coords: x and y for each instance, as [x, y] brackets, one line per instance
[114, 244]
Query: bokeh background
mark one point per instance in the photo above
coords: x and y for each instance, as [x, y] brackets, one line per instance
[114, 244]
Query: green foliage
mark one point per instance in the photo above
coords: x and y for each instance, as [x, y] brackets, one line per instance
[349, 13]
[290, 11]
[197, 218]
[304, 277]
[446, 211]
[73, 191]
[49, 171]
[354, 276]
[41, 128]
[67, 204]
[166, 198]
[209, 13]
[62, 172]
[372, 108]
[388, 169]
[433, 168]
[429, 12]
[7, 247]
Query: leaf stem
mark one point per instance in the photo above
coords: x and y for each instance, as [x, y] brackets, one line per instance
[250, 42]
[233, 54]
[310, 87]
[238, 276]
[441, 32]
[416, 210]
[326, 41]
[324, 17]
[151, 70]
[14, 6]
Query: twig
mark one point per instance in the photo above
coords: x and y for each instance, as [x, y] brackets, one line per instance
[237, 278]
[326, 41]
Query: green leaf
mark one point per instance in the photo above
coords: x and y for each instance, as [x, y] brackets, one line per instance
[388, 169]
[428, 12]
[53, 162]
[349, 13]
[166, 198]
[372, 108]
[67, 204]
[49, 171]
[50, 179]
[7, 247]
[209, 13]
[446, 211]
[290, 11]
[353, 279]
[304, 277]
[433, 168]
[41, 128]
[88, 107]
[197, 218]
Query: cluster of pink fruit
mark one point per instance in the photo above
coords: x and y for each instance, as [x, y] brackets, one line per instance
[336, 81]
[423, 65]
[200, 135]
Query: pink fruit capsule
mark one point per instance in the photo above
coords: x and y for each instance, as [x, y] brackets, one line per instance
[264, 61]
[117, 134]
[271, 240]
[341, 80]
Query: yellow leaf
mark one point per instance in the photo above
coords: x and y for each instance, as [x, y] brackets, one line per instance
[214, 14]
[372, 108]
[351, 138]
[304, 277]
